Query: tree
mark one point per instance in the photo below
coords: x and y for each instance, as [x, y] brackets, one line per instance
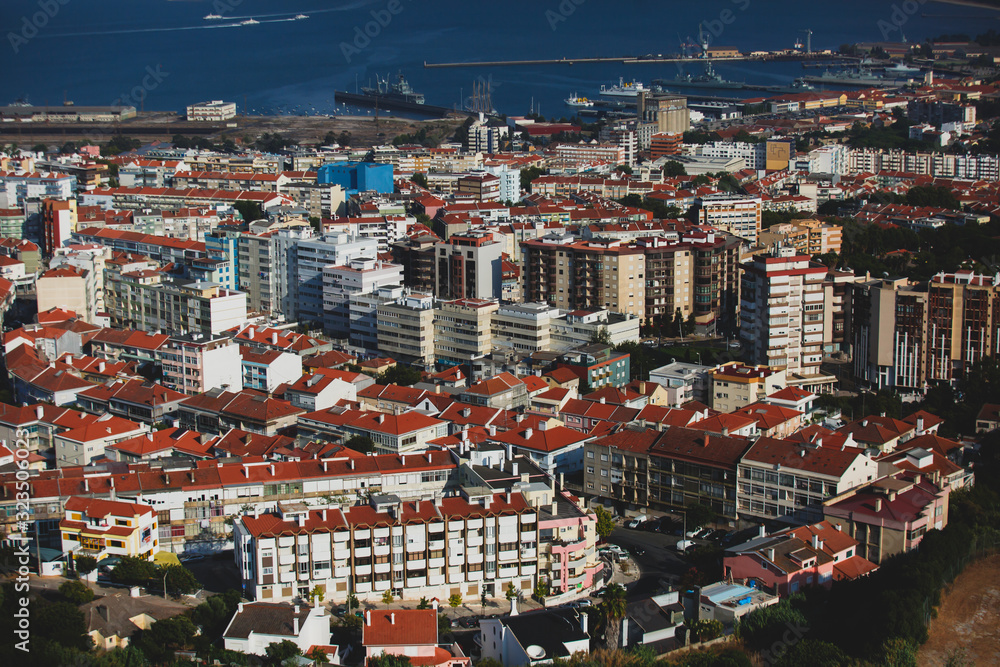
[423, 604]
[62, 623]
[352, 602]
[178, 578]
[673, 169]
[815, 654]
[420, 179]
[700, 514]
[318, 655]
[129, 656]
[624, 168]
[613, 610]
[76, 592]
[166, 636]
[316, 593]
[530, 174]
[762, 628]
[488, 662]
[705, 630]
[601, 336]
[541, 591]
[214, 614]
[133, 571]
[39, 148]
[511, 592]
[360, 443]
[85, 565]
[387, 597]
[404, 376]
[389, 660]
[898, 652]
[454, 600]
[605, 523]
[278, 652]
[248, 210]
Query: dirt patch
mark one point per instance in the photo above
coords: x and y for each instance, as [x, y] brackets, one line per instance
[969, 618]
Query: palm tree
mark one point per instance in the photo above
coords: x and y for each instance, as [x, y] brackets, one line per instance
[613, 610]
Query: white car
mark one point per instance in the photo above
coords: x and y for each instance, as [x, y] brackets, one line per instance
[684, 545]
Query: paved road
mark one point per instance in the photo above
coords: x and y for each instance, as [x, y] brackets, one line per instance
[660, 560]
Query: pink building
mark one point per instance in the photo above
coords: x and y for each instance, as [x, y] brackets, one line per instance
[569, 536]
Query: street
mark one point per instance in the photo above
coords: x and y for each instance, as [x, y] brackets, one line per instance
[660, 560]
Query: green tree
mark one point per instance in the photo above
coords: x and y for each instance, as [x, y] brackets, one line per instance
[898, 652]
[278, 652]
[318, 656]
[133, 571]
[423, 604]
[213, 615]
[60, 622]
[420, 179]
[387, 597]
[541, 591]
[352, 602]
[624, 168]
[129, 656]
[511, 592]
[612, 608]
[360, 443]
[39, 148]
[179, 579]
[605, 523]
[249, 211]
[764, 627]
[76, 592]
[673, 169]
[85, 565]
[530, 174]
[316, 594]
[601, 336]
[700, 514]
[454, 600]
[389, 660]
[706, 630]
[404, 376]
[489, 662]
[166, 636]
[815, 654]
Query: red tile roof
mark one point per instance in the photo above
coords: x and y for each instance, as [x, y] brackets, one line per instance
[819, 460]
[549, 439]
[400, 627]
[98, 508]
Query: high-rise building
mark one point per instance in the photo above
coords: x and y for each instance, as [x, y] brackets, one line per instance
[405, 327]
[738, 215]
[468, 265]
[343, 282]
[59, 221]
[781, 311]
[463, 331]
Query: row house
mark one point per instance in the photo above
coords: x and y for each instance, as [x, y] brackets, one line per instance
[195, 500]
[616, 466]
[216, 411]
[391, 434]
[138, 400]
[424, 548]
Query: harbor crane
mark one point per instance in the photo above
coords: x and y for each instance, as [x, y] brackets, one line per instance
[809, 37]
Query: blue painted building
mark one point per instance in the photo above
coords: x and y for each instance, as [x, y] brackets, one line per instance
[222, 245]
[357, 177]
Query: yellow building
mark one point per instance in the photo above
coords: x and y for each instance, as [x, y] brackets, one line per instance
[102, 528]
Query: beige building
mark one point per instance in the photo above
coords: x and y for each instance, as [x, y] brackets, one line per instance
[810, 237]
[406, 328]
[69, 288]
[735, 385]
[524, 327]
[738, 215]
[463, 330]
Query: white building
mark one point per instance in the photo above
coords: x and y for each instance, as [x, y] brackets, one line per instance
[195, 363]
[781, 312]
[256, 625]
[103, 528]
[424, 548]
[754, 155]
[362, 275]
[214, 110]
[738, 215]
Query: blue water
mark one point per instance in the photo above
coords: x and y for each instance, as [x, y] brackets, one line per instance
[99, 51]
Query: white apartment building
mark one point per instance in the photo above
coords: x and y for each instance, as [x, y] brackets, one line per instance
[754, 155]
[405, 327]
[578, 327]
[510, 181]
[781, 311]
[584, 152]
[214, 110]
[524, 328]
[421, 548]
[738, 215]
[781, 479]
[830, 159]
[463, 331]
[361, 275]
[194, 363]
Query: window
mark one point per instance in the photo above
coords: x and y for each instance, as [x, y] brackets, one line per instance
[590, 455]
[304, 567]
[267, 571]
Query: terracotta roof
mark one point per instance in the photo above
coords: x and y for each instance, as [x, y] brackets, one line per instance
[494, 385]
[105, 427]
[767, 415]
[629, 440]
[98, 509]
[692, 445]
[819, 460]
[724, 422]
[400, 627]
[548, 439]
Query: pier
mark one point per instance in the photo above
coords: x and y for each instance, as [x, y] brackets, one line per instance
[639, 60]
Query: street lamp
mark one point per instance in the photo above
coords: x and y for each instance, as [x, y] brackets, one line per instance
[166, 571]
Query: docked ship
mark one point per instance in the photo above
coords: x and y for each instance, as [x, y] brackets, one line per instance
[300, 17]
[861, 76]
[398, 96]
[575, 101]
[623, 89]
[707, 79]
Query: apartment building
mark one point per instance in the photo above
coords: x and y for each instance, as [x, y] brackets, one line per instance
[255, 270]
[781, 311]
[779, 479]
[341, 284]
[735, 385]
[147, 300]
[86, 443]
[616, 466]
[463, 331]
[213, 110]
[105, 528]
[808, 237]
[266, 370]
[68, 288]
[406, 328]
[195, 363]
[596, 365]
[524, 327]
[579, 327]
[59, 221]
[738, 215]
[468, 265]
[688, 466]
[424, 548]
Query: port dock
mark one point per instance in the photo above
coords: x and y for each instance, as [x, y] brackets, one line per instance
[639, 60]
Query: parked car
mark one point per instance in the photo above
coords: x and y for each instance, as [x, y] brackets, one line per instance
[581, 603]
[717, 535]
[703, 533]
[691, 533]
[637, 551]
[636, 522]
[684, 545]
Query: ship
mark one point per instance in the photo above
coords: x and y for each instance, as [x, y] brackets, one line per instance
[213, 17]
[249, 22]
[575, 101]
[860, 77]
[398, 96]
[623, 89]
[400, 90]
[708, 79]
[300, 16]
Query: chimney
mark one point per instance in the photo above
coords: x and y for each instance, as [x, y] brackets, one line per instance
[725, 431]
[528, 432]
[487, 501]
[878, 504]
[815, 541]
[249, 332]
[602, 400]
[838, 527]
[584, 618]
[493, 430]
[542, 425]
[39, 411]
[513, 468]
[239, 608]
[555, 506]
[272, 469]
[86, 485]
[352, 464]
[416, 506]
[920, 425]
[295, 623]
[705, 443]
[324, 466]
[100, 367]
[368, 616]
[324, 516]
[274, 338]
[562, 481]
[402, 460]
[770, 554]
[434, 604]
[392, 618]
